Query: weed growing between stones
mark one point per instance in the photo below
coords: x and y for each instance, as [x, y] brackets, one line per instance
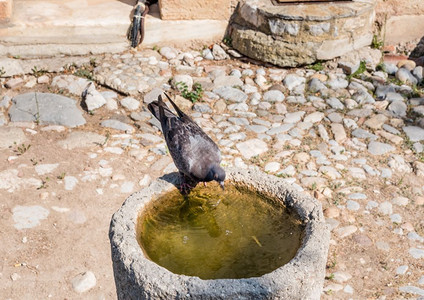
[43, 183]
[318, 66]
[195, 95]
[38, 72]
[362, 68]
[22, 149]
[377, 43]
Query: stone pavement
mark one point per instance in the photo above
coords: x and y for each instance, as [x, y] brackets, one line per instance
[71, 151]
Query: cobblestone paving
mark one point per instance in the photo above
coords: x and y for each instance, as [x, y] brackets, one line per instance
[353, 142]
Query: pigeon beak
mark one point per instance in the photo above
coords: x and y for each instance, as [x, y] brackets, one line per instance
[221, 183]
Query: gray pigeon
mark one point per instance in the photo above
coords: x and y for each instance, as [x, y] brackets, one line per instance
[194, 153]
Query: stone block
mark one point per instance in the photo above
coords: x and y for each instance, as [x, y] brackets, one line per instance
[5, 10]
[194, 9]
[406, 28]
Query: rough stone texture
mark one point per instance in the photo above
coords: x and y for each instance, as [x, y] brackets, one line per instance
[11, 135]
[293, 35]
[194, 9]
[28, 216]
[84, 282]
[5, 10]
[414, 133]
[81, 139]
[252, 148]
[92, 98]
[46, 108]
[302, 278]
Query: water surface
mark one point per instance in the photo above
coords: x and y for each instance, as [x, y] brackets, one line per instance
[214, 234]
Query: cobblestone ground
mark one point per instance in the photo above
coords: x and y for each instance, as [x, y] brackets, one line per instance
[71, 152]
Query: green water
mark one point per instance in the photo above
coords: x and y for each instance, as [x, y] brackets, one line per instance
[218, 234]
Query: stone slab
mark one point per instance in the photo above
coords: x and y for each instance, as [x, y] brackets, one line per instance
[46, 108]
[50, 28]
[82, 139]
[10, 136]
[403, 29]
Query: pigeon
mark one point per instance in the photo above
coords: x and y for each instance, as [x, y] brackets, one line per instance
[195, 155]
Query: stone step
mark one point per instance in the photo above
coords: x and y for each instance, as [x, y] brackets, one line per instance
[51, 27]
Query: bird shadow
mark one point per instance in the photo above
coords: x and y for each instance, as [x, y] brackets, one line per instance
[173, 178]
[185, 186]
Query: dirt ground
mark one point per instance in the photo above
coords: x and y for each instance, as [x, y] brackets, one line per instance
[50, 255]
[41, 262]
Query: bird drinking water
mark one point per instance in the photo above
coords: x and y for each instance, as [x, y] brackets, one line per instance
[195, 155]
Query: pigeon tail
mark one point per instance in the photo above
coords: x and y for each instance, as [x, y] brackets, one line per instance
[154, 108]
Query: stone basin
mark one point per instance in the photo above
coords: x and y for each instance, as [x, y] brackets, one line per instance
[137, 277]
[294, 34]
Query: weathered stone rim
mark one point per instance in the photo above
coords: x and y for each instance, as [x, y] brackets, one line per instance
[303, 277]
[295, 12]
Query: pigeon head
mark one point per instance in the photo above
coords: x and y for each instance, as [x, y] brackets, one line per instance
[216, 173]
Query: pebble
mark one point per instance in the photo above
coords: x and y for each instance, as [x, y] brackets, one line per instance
[416, 253]
[396, 218]
[273, 96]
[412, 290]
[346, 231]
[145, 181]
[84, 282]
[348, 289]
[363, 134]
[272, 167]
[398, 108]
[127, 187]
[14, 83]
[130, 103]
[70, 182]
[352, 205]
[231, 94]
[118, 125]
[341, 277]
[401, 270]
[218, 52]
[314, 117]
[377, 148]
[405, 76]
[92, 98]
[357, 196]
[335, 103]
[43, 169]
[385, 208]
[332, 288]
[414, 133]
[15, 276]
[292, 80]
[28, 216]
[371, 205]
[251, 148]
[386, 173]
[383, 246]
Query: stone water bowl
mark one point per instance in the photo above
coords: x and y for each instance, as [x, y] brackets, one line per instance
[137, 277]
